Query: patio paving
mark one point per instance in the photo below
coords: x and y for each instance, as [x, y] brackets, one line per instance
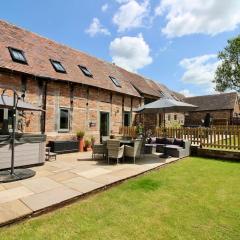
[70, 177]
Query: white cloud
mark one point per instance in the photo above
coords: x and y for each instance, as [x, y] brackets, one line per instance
[131, 14]
[200, 71]
[97, 28]
[199, 16]
[186, 93]
[131, 53]
[104, 7]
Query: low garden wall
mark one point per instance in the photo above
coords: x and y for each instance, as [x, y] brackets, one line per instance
[218, 153]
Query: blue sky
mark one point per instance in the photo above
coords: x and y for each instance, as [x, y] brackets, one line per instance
[172, 41]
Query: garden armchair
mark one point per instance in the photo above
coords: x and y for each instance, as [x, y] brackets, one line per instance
[114, 150]
[99, 149]
[135, 151]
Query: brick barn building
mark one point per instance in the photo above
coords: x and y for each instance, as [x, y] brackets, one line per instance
[223, 108]
[77, 91]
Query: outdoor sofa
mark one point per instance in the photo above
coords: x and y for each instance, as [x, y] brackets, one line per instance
[171, 146]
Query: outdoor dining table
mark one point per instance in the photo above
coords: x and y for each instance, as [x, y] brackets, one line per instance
[126, 142]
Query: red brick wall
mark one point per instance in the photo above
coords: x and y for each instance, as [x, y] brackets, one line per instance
[30, 120]
[87, 102]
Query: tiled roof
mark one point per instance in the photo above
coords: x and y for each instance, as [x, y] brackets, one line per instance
[179, 95]
[223, 101]
[163, 90]
[38, 50]
[140, 83]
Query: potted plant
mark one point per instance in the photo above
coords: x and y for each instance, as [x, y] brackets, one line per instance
[80, 135]
[87, 145]
[140, 130]
[92, 140]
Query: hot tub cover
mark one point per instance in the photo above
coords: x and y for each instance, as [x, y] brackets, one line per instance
[23, 138]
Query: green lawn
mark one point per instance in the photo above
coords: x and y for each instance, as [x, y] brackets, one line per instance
[193, 199]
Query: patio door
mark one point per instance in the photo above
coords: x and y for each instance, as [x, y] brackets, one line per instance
[104, 124]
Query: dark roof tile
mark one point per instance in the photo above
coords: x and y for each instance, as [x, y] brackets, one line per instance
[38, 50]
[222, 101]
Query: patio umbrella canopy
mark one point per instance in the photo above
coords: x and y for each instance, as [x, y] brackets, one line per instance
[166, 105]
[7, 102]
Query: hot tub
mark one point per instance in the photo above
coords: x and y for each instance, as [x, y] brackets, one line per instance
[29, 150]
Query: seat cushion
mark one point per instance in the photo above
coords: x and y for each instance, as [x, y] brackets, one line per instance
[160, 140]
[179, 142]
[173, 146]
[164, 140]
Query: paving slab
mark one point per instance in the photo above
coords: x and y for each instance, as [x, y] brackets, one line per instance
[49, 198]
[82, 184]
[124, 173]
[13, 210]
[42, 173]
[63, 176]
[14, 193]
[2, 188]
[82, 168]
[42, 184]
[106, 179]
[94, 172]
[11, 185]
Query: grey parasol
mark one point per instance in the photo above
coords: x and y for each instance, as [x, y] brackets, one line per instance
[166, 105]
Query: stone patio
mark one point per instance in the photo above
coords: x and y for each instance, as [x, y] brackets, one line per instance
[68, 178]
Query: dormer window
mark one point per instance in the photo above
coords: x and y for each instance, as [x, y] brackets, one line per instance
[17, 55]
[115, 81]
[85, 71]
[58, 66]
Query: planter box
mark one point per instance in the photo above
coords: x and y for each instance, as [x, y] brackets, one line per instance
[64, 146]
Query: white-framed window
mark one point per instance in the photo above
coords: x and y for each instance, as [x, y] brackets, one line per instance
[64, 117]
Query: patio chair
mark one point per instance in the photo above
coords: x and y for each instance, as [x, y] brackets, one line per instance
[99, 149]
[134, 151]
[50, 155]
[114, 150]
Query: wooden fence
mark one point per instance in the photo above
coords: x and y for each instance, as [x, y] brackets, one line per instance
[219, 137]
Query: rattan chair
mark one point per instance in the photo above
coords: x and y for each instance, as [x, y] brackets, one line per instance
[135, 151]
[114, 150]
[99, 149]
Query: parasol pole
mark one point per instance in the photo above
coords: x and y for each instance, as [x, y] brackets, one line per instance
[13, 131]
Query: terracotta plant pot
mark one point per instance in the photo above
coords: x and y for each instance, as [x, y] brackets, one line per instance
[81, 144]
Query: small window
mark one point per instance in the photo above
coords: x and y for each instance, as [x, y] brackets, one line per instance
[64, 119]
[127, 119]
[115, 81]
[6, 117]
[169, 117]
[85, 71]
[175, 117]
[17, 55]
[58, 66]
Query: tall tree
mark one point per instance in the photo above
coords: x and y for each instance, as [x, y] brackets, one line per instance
[227, 75]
